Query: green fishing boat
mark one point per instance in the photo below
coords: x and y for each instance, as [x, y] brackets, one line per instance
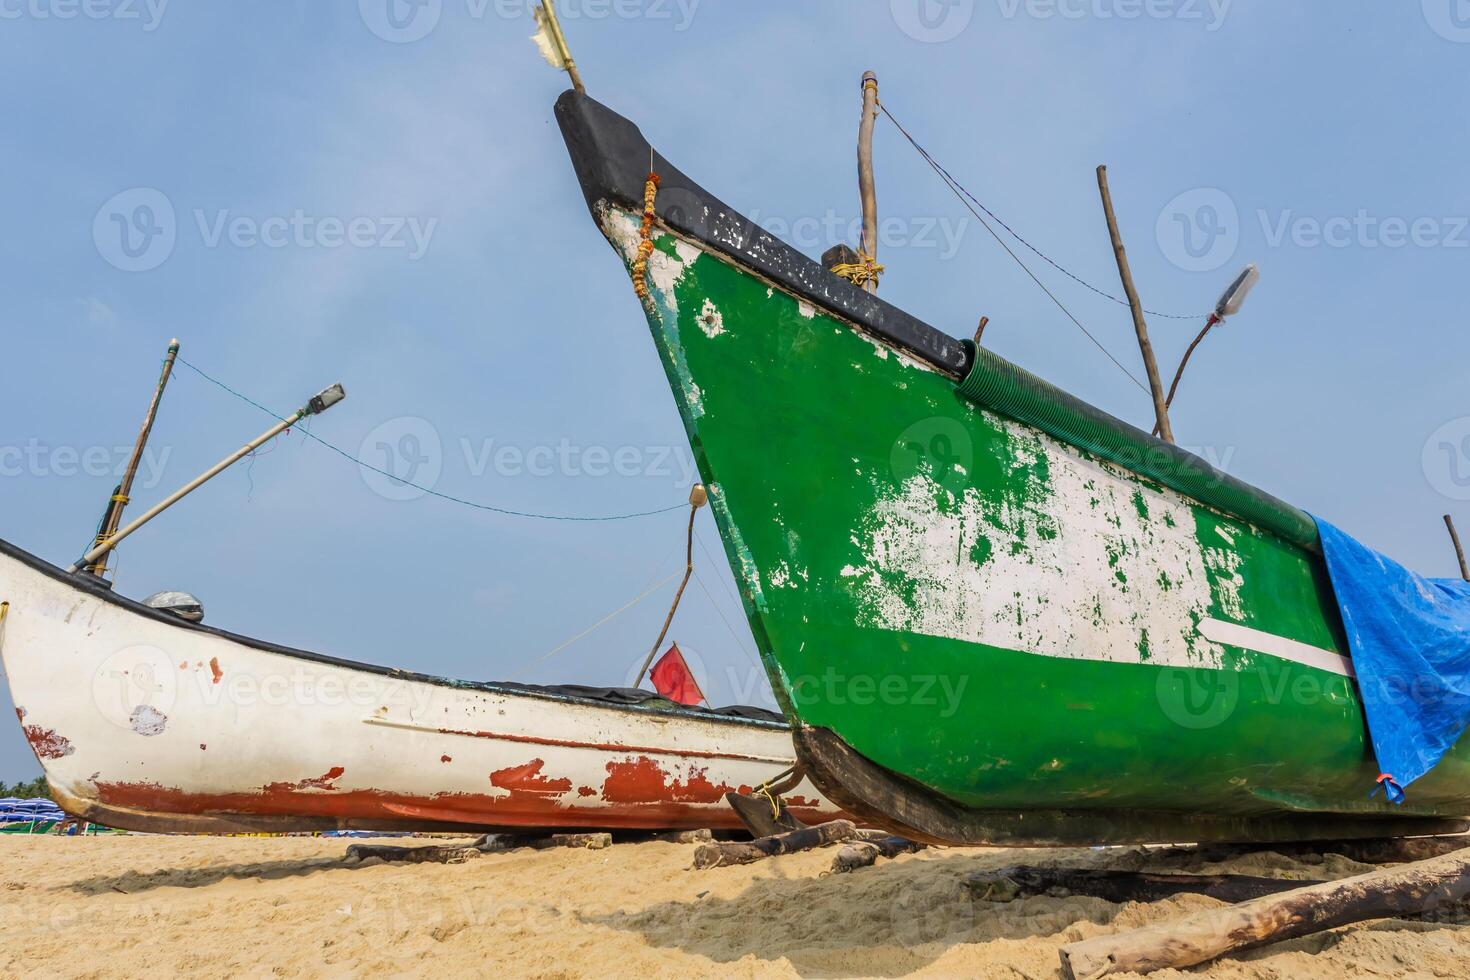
[993, 613]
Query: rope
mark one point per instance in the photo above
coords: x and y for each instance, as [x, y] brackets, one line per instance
[960, 192]
[859, 273]
[433, 493]
[1047, 258]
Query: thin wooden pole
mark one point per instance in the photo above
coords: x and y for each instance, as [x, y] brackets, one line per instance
[1449, 522]
[1184, 363]
[318, 404]
[112, 516]
[866, 183]
[698, 497]
[1140, 326]
[560, 40]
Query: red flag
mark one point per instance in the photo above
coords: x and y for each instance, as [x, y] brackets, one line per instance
[673, 679]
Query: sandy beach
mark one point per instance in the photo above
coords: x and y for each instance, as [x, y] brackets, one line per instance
[123, 905]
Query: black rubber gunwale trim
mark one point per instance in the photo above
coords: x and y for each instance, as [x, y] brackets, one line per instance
[611, 157]
[90, 588]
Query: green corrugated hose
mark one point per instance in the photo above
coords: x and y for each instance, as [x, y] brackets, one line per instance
[997, 384]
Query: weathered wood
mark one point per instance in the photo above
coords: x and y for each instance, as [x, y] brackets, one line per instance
[1449, 522]
[1140, 325]
[1009, 884]
[760, 818]
[866, 852]
[980, 330]
[866, 183]
[1391, 850]
[437, 854]
[725, 853]
[670, 837]
[496, 843]
[1411, 889]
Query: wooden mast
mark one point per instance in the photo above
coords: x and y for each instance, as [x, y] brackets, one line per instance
[1140, 326]
[112, 516]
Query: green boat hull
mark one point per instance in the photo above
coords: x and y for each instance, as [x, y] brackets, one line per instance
[985, 633]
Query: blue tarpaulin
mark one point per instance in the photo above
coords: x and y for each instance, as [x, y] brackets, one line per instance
[1410, 641]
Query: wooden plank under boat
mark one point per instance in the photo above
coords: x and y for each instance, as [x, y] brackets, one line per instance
[142, 721]
[993, 613]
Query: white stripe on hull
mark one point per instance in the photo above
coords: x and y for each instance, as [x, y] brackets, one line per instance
[1258, 641]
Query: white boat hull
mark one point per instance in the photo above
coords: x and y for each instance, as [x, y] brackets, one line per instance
[144, 722]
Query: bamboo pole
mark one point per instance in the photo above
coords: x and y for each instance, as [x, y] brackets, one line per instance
[866, 183]
[112, 516]
[1140, 326]
[318, 404]
[1449, 522]
[1184, 363]
[560, 40]
[698, 497]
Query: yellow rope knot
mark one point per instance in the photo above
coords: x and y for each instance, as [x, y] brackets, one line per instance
[859, 273]
[121, 498]
[645, 241]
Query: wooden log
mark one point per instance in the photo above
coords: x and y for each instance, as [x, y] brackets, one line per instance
[1391, 850]
[1009, 884]
[669, 837]
[437, 854]
[726, 853]
[865, 852]
[1410, 889]
[497, 843]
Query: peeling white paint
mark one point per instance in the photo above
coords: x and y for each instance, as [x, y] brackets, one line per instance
[1224, 532]
[711, 320]
[1228, 581]
[1066, 568]
[806, 309]
[664, 271]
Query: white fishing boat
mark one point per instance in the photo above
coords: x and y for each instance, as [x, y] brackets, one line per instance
[145, 721]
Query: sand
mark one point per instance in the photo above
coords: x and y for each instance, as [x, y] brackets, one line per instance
[123, 905]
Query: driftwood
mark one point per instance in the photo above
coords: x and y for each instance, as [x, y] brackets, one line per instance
[866, 852]
[723, 853]
[684, 837]
[1411, 889]
[497, 843]
[489, 844]
[1392, 850]
[437, 854]
[1009, 884]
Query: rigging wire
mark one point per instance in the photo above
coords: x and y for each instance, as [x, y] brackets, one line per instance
[960, 192]
[609, 617]
[433, 493]
[1014, 234]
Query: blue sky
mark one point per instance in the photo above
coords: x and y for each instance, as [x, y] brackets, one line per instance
[317, 192]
